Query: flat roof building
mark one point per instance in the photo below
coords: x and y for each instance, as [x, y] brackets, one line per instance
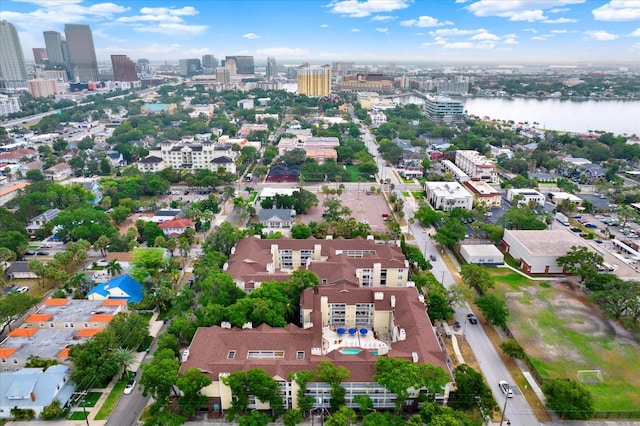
[477, 166]
[448, 195]
[484, 194]
[528, 196]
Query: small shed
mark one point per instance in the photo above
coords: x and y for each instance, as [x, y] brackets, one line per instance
[482, 254]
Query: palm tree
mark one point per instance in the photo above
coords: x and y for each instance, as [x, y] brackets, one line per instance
[171, 245]
[114, 267]
[124, 358]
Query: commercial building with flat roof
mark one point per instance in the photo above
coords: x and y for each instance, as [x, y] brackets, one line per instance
[484, 194]
[448, 195]
[442, 108]
[482, 254]
[528, 196]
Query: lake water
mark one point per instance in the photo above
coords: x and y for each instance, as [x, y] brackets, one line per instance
[618, 117]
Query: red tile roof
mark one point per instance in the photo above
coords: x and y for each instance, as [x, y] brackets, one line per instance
[177, 224]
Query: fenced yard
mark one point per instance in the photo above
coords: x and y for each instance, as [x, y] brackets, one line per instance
[563, 333]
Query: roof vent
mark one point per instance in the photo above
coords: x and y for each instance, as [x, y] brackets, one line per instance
[225, 324]
[185, 355]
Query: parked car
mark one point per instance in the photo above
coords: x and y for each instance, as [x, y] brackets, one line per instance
[506, 389]
[472, 318]
[30, 252]
[42, 253]
[432, 257]
[576, 230]
[22, 289]
[456, 326]
[590, 225]
[130, 385]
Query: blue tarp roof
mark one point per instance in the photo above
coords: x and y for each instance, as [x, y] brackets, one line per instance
[125, 283]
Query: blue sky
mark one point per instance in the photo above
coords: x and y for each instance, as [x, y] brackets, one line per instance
[402, 31]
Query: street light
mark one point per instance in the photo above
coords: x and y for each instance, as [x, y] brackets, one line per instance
[503, 410]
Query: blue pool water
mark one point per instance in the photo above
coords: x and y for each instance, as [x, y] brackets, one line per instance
[354, 351]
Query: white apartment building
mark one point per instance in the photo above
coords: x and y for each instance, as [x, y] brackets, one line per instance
[477, 166]
[441, 108]
[9, 105]
[190, 156]
[377, 118]
[448, 195]
[528, 195]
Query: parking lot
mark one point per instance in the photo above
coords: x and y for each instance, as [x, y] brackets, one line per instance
[364, 208]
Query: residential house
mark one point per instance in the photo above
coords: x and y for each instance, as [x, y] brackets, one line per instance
[32, 165]
[18, 156]
[377, 118]
[277, 218]
[164, 215]
[20, 270]
[115, 159]
[7, 194]
[349, 326]
[175, 227]
[121, 288]
[411, 169]
[94, 187]
[60, 171]
[39, 221]
[34, 389]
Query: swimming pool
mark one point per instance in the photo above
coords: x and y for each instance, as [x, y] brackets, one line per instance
[350, 351]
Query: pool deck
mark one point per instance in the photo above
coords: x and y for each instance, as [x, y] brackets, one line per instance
[333, 341]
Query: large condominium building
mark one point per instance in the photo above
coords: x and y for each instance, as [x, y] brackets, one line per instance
[448, 195]
[39, 55]
[9, 105]
[343, 68]
[477, 166]
[453, 87]
[345, 324]
[190, 155]
[143, 65]
[189, 67]
[209, 62]
[43, 88]
[82, 52]
[361, 82]
[13, 73]
[124, 69]
[272, 69]
[57, 54]
[244, 64]
[314, 81]
[441, 108]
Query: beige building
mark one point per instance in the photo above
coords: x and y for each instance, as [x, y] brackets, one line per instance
[314, 81]
[42, 88]
[191, 156]
[484, 194]
[357, 261]
[345, 324]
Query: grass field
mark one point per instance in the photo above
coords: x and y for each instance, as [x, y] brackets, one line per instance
[111, 400]
[78, 415]
[563, 333]
[91, 399]
[354, 173]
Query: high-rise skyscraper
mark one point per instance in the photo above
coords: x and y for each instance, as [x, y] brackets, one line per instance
[40, 55]
[82, 53]
[13, 73]
[272, 69]
[314, 81]
[209, 61]
[53, 43]
[124, 69]
[343, 68]
[244, 64]
[143, 65]
[189, 67]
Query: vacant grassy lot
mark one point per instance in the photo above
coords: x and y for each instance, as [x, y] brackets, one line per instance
[354, 173]
[563, 333]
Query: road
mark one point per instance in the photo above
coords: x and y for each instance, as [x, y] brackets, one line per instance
[129, 407]
[517, 409]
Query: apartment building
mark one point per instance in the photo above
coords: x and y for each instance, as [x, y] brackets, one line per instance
[358, 261]
[377, 118]
[477, 166]
[345, 324]
[190, 156]
[442, 108]
[314, 81]
[448, 195]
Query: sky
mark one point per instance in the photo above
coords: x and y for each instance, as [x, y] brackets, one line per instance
[363, 31]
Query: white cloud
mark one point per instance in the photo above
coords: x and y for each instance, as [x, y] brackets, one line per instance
[250, 36]
[600, 35]
[560, 10]
[173, 28]
[361, 9]
[383, 30]
[530, 10]
[452, 32]
[424, 21]
[290, 52]
[355, 30]
[184, 11]
[485, 36]
[531, 30]
[559, 31]
[538, 38]
[55, 12]
[636, 33]
[618, 10]
[560, 21]
[459, 45]
[324, 26]
[384, 18]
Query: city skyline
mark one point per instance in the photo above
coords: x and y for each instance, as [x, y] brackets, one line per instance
[482, 31]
